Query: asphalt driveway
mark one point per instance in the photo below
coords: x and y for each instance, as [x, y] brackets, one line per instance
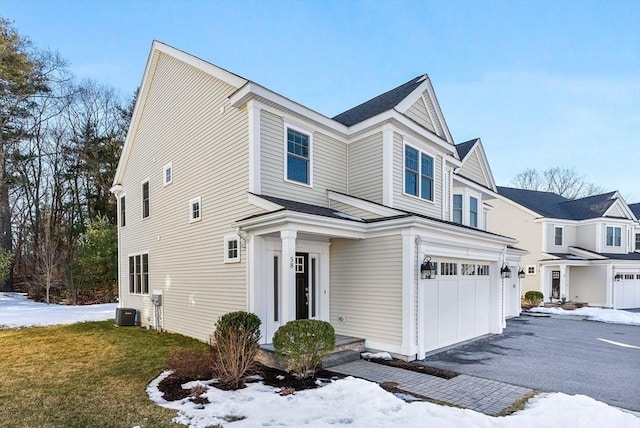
[573, 356]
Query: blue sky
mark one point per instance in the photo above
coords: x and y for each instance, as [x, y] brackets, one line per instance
[543, 83]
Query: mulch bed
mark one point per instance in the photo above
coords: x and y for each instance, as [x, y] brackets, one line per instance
[433, 371]
[172, 389]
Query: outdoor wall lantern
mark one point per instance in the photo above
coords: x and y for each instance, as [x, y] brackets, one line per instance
[505, 272]
[427, 268]
[521, 273]
[618, 277]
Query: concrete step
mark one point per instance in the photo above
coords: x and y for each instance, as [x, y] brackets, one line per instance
[340, 357]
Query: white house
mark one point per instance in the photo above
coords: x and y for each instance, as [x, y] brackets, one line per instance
[584, 250]
[233, 197]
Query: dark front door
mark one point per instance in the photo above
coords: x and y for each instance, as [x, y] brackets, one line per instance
[302, 286]
[555, 284]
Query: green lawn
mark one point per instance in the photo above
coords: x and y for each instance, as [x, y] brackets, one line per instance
[83, 375]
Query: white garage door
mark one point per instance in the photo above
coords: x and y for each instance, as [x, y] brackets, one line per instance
[456, 310]
[626, 293]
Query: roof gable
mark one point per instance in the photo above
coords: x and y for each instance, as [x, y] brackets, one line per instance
[158, 49]
[415, 99]
[475, 165]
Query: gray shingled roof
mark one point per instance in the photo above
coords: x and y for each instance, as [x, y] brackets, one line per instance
[379, 104]
[464, 148]
[551, 205]
[635, 209]
[304, 208]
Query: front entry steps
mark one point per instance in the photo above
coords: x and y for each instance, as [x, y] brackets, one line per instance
[347, 349]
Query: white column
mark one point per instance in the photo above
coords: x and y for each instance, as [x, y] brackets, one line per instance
[253, 110]
[288, 269]
[546, 291]
[409, 346]
[563, 282]
[609, 292]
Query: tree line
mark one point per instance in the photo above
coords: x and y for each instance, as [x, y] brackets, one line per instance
[60, 141]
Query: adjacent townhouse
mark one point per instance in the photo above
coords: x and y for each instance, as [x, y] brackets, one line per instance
[583, 250]
[233, 197]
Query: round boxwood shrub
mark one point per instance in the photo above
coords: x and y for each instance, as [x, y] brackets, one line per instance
[236, 341]
[533, 298]
[301, 345]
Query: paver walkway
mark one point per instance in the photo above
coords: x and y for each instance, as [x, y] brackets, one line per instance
[482, 395]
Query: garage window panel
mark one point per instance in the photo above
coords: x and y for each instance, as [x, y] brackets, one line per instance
[448, 269]
[467, 269]
[483, 270]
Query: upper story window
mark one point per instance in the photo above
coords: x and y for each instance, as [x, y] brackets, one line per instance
[298, 157]
[473, 212]
[195, 209]
[123, 212]
[614, 236]
[558, 235]
[145, 199]
[457, 209]
[167, 174]
[418, 173]
[637, 241]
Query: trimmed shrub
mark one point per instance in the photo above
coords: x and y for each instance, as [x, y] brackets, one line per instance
[235, 344]
[301, 345]
[533, 298]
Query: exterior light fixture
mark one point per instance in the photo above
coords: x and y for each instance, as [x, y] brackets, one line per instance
[618, 277]
[521, 273]
[427, 268]
[505, 272]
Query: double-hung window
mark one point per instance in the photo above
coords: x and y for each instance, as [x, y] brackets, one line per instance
[418, 173]
[637, 241]
[145, 199]
[167, 174]
[457, 209]
[557, 235]
[614, 236]
[473, 212]
[231, 249]
[139, 274]
[298, 157]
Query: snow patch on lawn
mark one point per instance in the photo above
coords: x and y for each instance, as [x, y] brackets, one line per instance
[613, 316]
[16, 310]
[359, 404]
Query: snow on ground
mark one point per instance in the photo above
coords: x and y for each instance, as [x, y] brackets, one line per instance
[357, 403]
[613, 316]
[16, 310]
[353, 402]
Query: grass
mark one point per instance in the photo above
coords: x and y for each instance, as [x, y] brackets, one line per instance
[84, 375]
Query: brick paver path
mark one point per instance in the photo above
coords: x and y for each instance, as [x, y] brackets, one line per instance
[482, 395]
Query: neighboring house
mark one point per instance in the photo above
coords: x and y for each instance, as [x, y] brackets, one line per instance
[581, 250]
[233, 197]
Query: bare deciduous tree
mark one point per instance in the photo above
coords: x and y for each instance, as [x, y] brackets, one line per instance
[565, 182]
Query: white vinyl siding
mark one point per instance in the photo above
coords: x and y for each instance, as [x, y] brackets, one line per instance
[184, 105]
[418, 113]
[410, 203]
[365, 168]
[472, 169]
[366, 288]
[329, 158]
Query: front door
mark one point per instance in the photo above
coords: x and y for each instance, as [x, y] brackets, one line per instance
[555, 284]
[302, 286]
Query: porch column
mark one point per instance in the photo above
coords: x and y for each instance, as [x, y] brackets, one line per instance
[563, 282]
[609, 285]
[288, 269]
